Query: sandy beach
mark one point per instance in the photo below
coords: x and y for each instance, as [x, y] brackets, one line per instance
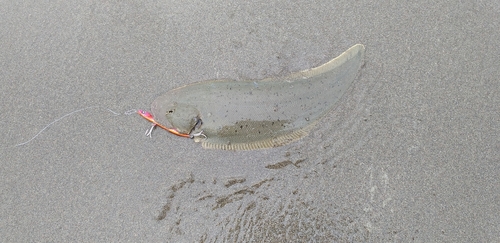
[410, 154]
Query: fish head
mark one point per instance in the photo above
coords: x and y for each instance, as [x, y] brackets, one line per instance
[183, 117]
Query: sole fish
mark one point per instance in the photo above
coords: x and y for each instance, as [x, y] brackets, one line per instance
[256, 114]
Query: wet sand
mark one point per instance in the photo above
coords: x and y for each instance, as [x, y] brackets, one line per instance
[410, 154]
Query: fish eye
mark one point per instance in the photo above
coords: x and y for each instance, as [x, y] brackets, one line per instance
[171, 111]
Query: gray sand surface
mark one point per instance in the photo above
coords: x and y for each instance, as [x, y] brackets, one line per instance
[411, 153]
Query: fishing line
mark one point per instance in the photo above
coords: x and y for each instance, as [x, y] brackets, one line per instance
[129, 112]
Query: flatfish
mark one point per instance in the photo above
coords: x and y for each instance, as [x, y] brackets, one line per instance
[256, 114]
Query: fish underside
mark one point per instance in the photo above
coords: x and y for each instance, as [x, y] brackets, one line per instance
[255, 114]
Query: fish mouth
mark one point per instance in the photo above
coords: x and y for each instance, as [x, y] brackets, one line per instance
[195, 132]
[197, 125]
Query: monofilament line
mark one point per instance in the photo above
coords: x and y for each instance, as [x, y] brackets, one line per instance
[69, 114]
